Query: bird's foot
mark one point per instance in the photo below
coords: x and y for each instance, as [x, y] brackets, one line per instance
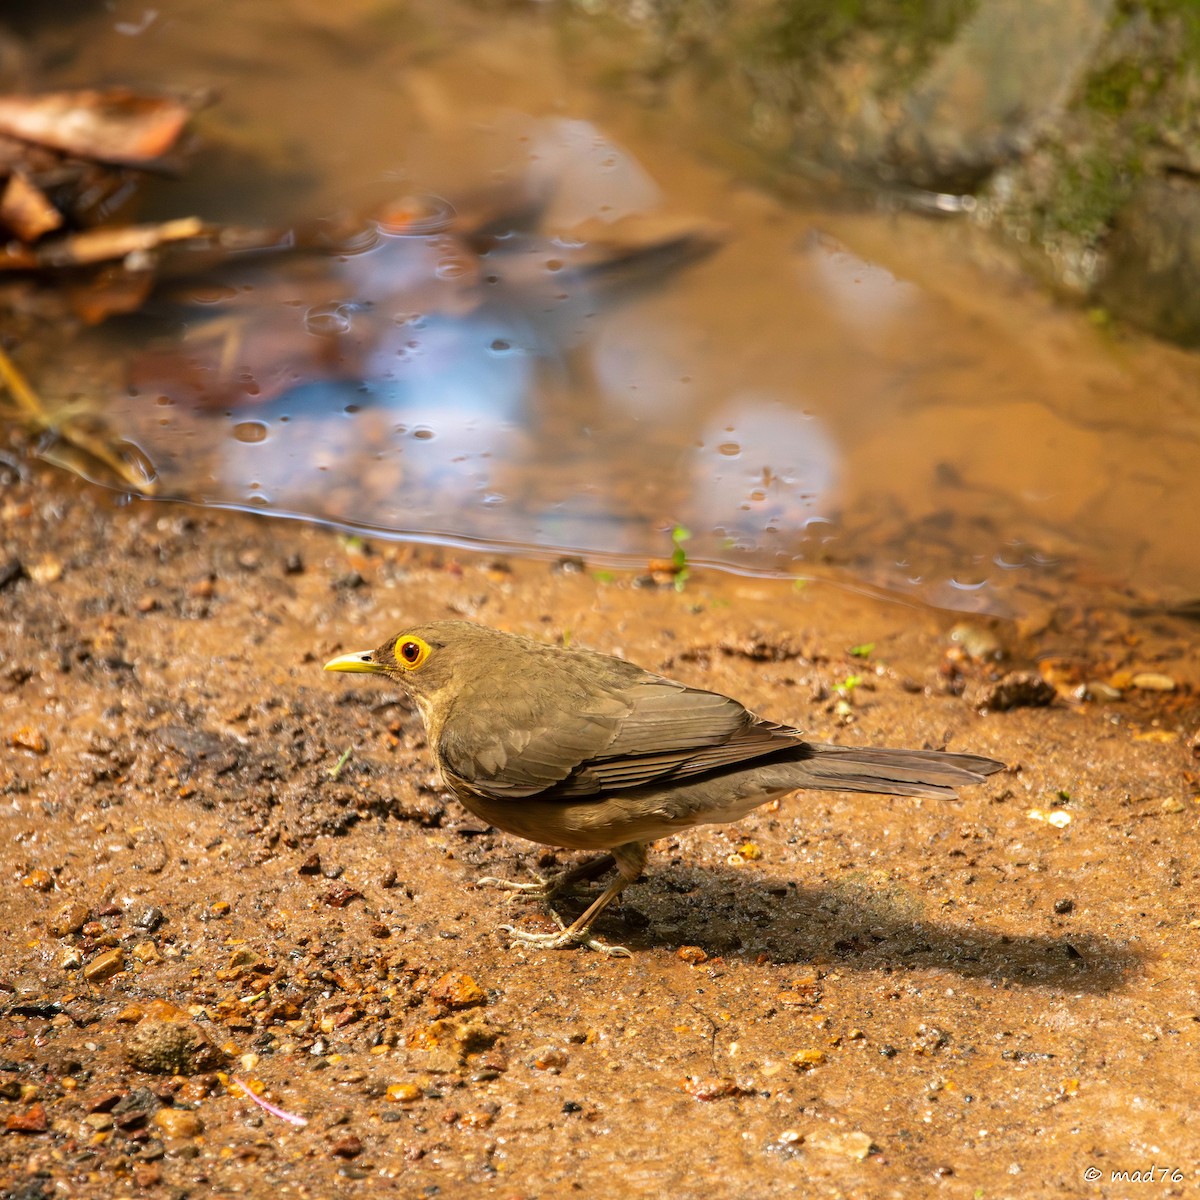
[548, 887]
[567, 935]
[539, 889]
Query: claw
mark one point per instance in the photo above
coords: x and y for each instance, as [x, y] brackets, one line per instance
[565, 937]
[540, 889]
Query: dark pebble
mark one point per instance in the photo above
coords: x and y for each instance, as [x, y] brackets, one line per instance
[149, 919]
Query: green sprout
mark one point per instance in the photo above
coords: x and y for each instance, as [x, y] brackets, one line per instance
[863, 650]
[679, 535]
[336, 769]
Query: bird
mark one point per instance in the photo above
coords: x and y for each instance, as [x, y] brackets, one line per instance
[572, 748]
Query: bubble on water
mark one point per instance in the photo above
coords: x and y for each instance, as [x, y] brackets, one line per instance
[250, 432]
[328, 320]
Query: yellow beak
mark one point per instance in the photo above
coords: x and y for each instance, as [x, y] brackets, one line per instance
[360, 660]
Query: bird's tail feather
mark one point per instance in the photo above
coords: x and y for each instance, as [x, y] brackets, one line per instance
[895, 772]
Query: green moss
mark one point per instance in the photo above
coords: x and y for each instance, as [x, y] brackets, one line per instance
[809, 32]
[1122, 86]
[1090, 189]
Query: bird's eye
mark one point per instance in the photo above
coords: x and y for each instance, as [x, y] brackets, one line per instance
[411, 652]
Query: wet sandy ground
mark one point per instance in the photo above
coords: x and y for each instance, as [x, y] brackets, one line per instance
[841, 996]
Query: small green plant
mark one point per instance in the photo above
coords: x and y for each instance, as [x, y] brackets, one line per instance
[679, 559]
[862, 650]
[847, 685]
[336, 769]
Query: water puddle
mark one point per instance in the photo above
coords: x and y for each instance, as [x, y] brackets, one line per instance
[588, 337]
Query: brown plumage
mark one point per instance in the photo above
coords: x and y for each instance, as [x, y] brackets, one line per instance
[573, 748]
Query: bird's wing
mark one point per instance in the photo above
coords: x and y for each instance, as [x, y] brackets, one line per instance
[577, 740]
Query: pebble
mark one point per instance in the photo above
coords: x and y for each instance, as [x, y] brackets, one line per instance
[1153, 681]
[178, 1122]
[171, 1047]
[70, 918]
[105, 966]
[550, 1058]
[349, 1146]
[27, 738]
[807, 1059]
[856, 1145]
[456, 990]
[1017, 689]
[976, 643]
[32, 1120]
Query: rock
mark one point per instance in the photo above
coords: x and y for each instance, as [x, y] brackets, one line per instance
[178, 1122]
[1017, 689]
[69, 918]
[1154, 260]
[856, 1145]
[105, 966]
[455, 990]
[167, 1046]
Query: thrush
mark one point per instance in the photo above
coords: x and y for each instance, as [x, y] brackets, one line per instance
[572, 748]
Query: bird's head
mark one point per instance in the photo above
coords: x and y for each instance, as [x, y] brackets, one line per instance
[427, 661]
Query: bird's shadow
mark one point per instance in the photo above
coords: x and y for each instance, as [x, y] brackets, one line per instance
[858, 924]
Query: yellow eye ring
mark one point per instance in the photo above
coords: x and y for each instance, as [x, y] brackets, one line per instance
[411, 652]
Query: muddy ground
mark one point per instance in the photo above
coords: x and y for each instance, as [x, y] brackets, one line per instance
[841, 996]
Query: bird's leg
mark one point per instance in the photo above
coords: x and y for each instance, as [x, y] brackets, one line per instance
[630, 859]
[547, 889]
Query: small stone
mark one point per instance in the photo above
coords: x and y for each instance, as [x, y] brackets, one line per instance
[802, 995]
[977, 643]
[147, 1175]
[807, 1059]
[70, 918]
[716, 1087]
[28, 738]
[149, 918]
[856, 1145]
[1173, 805]
[550, 1058]
[456, 990]
[45, 570]
[72, 959]
[403, 1093]
[99, 1121]
[349, 1146]
[1153, 681]
[478, 1118]
[32, 1120]
[105, 966]
[691, 954]
[171, 1047]
[178, 1122]
[311, 865]
[1064, 906]
[1017, 689]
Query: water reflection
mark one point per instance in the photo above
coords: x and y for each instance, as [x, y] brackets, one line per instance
[520, 361]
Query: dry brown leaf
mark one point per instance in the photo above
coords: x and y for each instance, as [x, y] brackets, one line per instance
[114, 126]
